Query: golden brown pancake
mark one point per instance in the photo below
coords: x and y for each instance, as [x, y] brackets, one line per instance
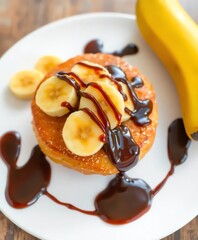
[48, 129]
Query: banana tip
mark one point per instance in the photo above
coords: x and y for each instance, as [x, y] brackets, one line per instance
[195, 136]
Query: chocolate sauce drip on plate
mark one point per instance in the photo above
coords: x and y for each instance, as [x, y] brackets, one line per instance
[178, 142]
[96, 46]
[123, 200]
[178, 145]
[25, 184]
[142, 108]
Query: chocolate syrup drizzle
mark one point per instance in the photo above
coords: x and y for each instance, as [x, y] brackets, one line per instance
[96, 46]
[123, 200]
[116, 139]
[142, 108]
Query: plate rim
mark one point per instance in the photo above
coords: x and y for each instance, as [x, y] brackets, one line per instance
[60, 21]
[68, 19]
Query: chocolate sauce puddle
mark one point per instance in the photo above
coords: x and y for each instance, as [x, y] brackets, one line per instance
[24, 184]
[97, 46]
[123, 200]
[178, 145]
[177, 137]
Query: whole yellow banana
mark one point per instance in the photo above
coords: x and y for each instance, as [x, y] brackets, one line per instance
[173, 36]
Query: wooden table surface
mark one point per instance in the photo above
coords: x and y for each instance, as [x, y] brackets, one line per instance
[20, 17]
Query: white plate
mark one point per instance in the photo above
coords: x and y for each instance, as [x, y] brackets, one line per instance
[175, 205]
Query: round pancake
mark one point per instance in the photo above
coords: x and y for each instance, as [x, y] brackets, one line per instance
[48, 129]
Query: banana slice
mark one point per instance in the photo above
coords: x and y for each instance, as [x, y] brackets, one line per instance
[52, 93]
[90, 72]
[128, 103]
[47, 63]
[24, 83]
[81, 134]
[114, 95]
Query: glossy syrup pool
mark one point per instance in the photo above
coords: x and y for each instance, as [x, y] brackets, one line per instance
[123, 200]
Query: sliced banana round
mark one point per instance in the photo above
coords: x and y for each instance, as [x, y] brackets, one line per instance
[23, 84]
[47, 63]
[115, 97]
[90, 72]
[128, 103]
[52, 93]
[81, 134]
